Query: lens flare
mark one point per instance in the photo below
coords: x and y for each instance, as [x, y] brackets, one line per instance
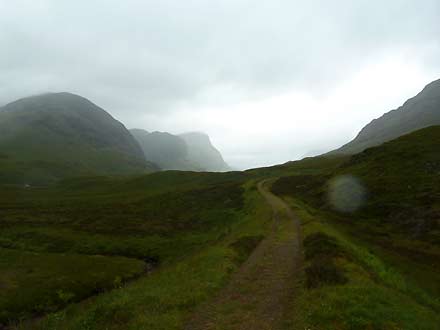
[346, 193]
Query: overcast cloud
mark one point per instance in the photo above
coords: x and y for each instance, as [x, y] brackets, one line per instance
[269, 81]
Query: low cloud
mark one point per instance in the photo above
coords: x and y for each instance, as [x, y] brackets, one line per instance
[269, 81]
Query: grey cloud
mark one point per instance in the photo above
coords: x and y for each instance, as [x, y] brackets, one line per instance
[134, 57]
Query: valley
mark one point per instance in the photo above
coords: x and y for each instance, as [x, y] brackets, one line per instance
[102, 227]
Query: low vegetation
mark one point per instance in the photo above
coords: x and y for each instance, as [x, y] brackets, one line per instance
[401, 179]
[398, 216]
[345, 286]
[375, 266]
[195, 232]
[320, 251]
[37, 283]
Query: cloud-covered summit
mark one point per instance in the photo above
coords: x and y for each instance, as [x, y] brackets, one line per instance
[156, 61]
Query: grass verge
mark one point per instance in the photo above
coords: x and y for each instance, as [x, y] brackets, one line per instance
[353, 288]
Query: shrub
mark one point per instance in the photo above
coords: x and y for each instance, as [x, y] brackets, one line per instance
[324, 271]
[321, 245]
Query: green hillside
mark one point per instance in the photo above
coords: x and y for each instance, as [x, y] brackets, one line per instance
[371, 232]
[132, 224]
[388, 197]
[400, 178]
[52, 136]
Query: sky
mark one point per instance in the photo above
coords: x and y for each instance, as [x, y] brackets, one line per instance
[268, 81]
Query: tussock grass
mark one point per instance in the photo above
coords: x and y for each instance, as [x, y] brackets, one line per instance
[165, 298]
[38, 283]
[373, 295]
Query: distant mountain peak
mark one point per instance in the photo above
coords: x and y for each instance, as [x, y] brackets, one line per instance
[196, 137]
[188, 151]
[203, 152]
[195, 133]
[48, 96]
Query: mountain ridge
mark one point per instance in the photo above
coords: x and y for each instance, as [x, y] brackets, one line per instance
[192, 151]
[418, 112]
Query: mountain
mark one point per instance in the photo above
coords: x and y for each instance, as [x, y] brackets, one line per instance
[55, 135]
[203, 153]
[187, 152]
[168, 151]
[421, 111]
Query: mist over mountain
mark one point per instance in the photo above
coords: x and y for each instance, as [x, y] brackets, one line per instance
[421, 111]
[202, 152]
[50, 136]
[166, 150]
[189, 152]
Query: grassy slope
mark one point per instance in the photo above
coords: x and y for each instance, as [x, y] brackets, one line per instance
[401, 178]
[197, 249]
[347, 286]
[402, 182]
[146, 217]
[391, 243]
[165, 299]
[306, 166]
[26, 161]
[164, 218]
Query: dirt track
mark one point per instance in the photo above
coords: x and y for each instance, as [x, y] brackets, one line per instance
[259, 293]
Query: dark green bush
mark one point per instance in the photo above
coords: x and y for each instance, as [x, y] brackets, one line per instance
[320, 245]
[324, 271]
[321, 249]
